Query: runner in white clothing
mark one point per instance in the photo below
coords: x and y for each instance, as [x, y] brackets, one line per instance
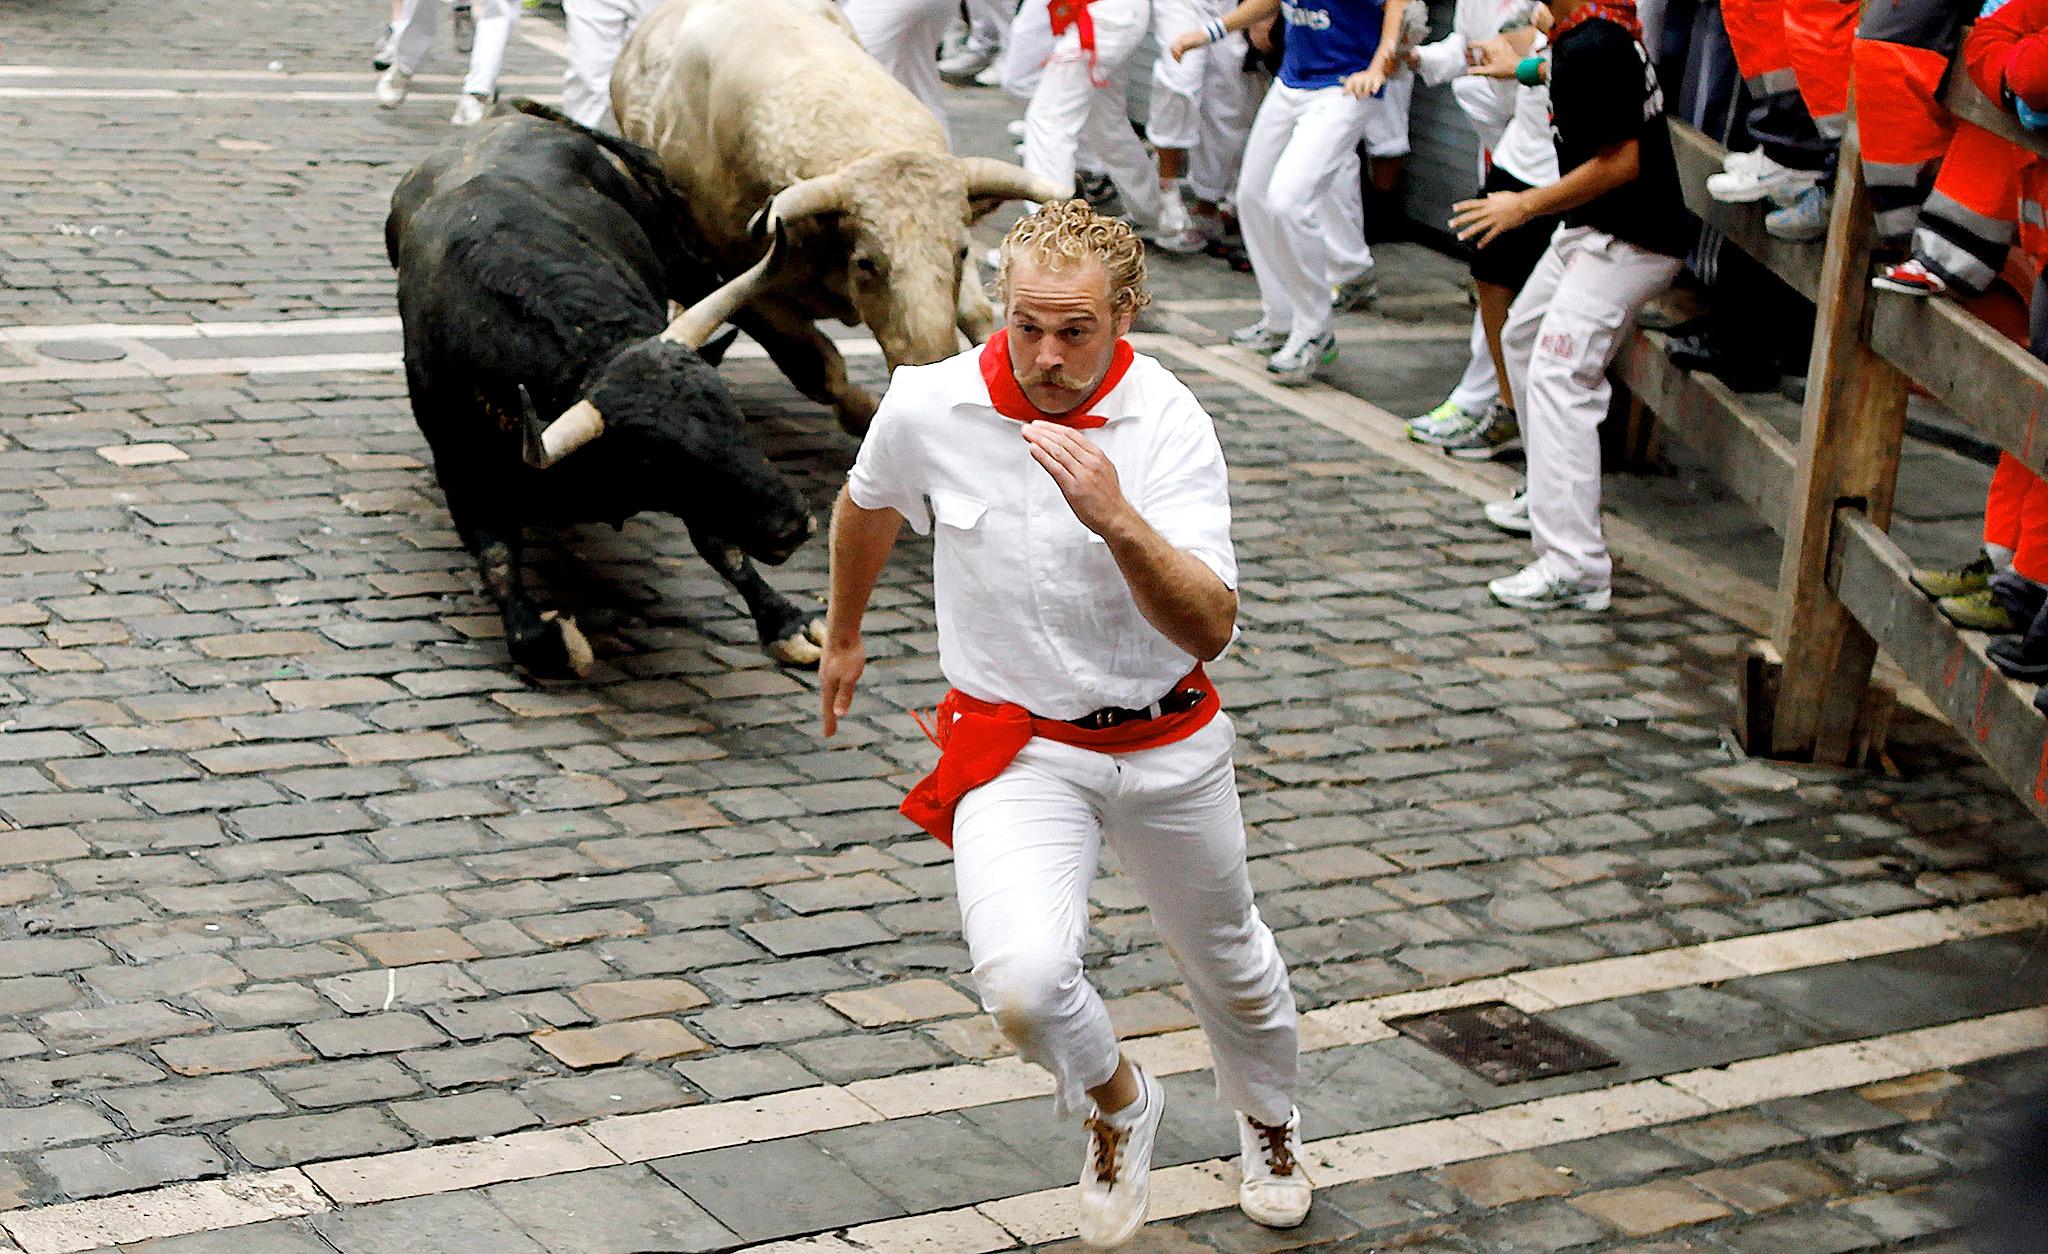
[904, 36]
[1200, 114]
[597, 31]
[1083, 570]
[413, 39]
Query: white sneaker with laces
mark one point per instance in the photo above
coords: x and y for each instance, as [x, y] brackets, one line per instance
[1513, 513]
[1534, 588]
[1737, 162]
[963, 65]
[1758, 179]
[1803, 221]
[1259, 338]
[1116, 1176]
[392, 87]
[1273, 1190]
[1298, 360]
[991, 75]
[1176, 232]
[470, 110]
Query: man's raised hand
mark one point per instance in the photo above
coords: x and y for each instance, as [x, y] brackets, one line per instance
[1086, 477]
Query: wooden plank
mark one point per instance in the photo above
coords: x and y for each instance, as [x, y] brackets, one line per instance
[1698, 156]
[1851, 429]
[1746, 453]
[1995, 715]
[1978, 375]
[1971, 105]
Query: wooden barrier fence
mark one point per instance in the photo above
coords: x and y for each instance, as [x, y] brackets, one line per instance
[1843, 592]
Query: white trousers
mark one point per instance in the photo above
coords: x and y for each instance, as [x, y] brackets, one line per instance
[1479, 386]
[1067, 108]
[494, 21]
[1562, 332]
[1301, 145]
[988, 23]
[597, 30]
[1025, 848]
[904, 36]
[1203, 103]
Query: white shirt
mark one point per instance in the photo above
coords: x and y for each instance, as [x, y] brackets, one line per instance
[1526, 149]
[1031, 606]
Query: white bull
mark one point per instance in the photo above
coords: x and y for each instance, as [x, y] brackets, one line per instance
[773, 102]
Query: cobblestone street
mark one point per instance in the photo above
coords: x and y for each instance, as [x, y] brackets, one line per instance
[325, 931]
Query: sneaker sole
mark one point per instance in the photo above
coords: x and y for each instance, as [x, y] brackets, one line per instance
[1514, 529]
[1487, 454]
[1584, 601]
[1883, 284]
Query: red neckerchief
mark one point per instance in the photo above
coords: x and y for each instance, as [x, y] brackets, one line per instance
[1620, 12]
[978, 739]
[1072, 13]
[1008, 397]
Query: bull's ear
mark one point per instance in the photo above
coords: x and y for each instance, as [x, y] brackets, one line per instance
[714, 352]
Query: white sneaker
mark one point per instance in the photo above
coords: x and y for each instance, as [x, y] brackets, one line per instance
[1016, 130]
[1273, 1190]
[963, 65]
[1747, 159]
[1761, 178]
[992, 76]
[1116, 1176]
[1358, 293]
[1259, 338]
[1513, 513]
[1176, 232]
[392, 87]
[470, 110]
[1534, 588]
[1298, 360]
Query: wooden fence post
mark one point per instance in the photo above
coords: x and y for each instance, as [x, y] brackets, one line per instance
[1851, 428]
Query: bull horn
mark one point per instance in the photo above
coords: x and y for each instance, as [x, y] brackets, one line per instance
[827, 193]
[987, 177]
[543, 446]
[693, 326]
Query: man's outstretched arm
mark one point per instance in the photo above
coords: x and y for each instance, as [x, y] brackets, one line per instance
[1175, 592]
[860, 544]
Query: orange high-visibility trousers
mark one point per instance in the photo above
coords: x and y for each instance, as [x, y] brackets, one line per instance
[1756, 33]
[1970, 217]
[1902, 125]
[1819, 36]
[2016, 517]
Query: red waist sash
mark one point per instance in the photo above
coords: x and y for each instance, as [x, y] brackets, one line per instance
[977, 739]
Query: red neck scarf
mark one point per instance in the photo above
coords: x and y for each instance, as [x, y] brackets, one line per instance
[1620, 12]
[1007, 395]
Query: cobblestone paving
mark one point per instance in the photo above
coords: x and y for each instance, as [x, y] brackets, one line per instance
[298, 869]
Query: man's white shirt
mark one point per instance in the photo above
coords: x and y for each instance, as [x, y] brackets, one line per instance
[1031, 606]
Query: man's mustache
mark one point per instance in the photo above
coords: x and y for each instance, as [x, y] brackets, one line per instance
[1055, 377]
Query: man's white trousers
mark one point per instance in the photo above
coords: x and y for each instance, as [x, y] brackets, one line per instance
[1562, 333]
[597, 31]
[1068, 108]
[1203, 103]
[1025, 848]
[494, 20]
[1300, 144]
[904, 36]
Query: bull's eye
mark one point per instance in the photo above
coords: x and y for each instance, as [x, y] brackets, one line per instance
[867, 268]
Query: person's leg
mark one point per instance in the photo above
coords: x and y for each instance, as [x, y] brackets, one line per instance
[1330, 126]
[1492, 315]
[1566, 394]
[1120, 27]
[494, 22]
[1969, 219]
[1820, 36]
[903, 35]
[988, 24]
[1257, 217]
[415, 35]
[2004, 506]
[597, 29]
[1525, 316]
[1904, 129]
[1175, 824]
[1053, 120]
[1386, 143]
[1342, 215]
[1026, 51]
[1228, 100]
[1025, 847]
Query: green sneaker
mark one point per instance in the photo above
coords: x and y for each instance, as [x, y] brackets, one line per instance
[1960, 582]
[1978, 611]
[1439, 424]
[1496, 435]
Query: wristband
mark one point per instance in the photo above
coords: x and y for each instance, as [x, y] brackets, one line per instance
[1216, 31]
[1529, 71]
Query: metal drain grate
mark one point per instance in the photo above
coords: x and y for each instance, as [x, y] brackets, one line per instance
[1503, 1044]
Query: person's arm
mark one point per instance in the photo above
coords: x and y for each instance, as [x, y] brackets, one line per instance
[1611, 167]
[2007, 53]
[1368, 81]
[1243, 17]
[1180, 596]
[860, 544]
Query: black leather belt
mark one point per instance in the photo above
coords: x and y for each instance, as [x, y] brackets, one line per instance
[1176, 702]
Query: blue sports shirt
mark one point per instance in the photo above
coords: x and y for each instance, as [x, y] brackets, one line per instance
[1328, 40]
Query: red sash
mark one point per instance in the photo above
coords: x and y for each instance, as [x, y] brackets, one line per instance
[1007, 395]
[1072, 13]
[978, 739]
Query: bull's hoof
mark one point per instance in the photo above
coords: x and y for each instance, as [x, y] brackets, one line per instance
[802, 649]
[559, 650]
[855, 412]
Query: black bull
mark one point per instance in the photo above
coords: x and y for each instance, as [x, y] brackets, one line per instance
[536, 260]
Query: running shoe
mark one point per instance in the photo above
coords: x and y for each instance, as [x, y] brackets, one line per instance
[1978, 611]
[1358, 293]
[1298, 359]
[962, 66]
[1273, 1190]
[1534, 588]
[1758, 179]
[1804, 220]
[392, 88]
[1116, 1174]
[1959, 582]
[1511, 515]
[1259, 338]
[470, 110]
[1447, 419]
[1910, 277]
[1496, 435]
